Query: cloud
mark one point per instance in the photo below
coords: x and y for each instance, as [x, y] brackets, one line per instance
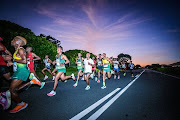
[87, 23]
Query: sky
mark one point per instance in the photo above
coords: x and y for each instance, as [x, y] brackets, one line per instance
[148, 30]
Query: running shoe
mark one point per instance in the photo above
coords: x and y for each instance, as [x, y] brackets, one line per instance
[75, 85]
[53, 78]
[72, 76]
[118, 76]
[19, 107]
[46, 77]
[52, 93]
[5, 99]
[42, 85]
[87, 87]
[98, 81]
[36, 81]
[103, 87]
[114, 76]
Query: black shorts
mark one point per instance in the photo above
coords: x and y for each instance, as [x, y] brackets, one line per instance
[3, 69]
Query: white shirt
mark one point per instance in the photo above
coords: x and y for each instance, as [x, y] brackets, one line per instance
[116, 63]
[88, 68]
[47, 64]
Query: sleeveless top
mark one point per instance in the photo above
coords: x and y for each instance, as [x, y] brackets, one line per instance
[59, 61]
[107, 66]
[30, 58]
[47, 64]
[99, 62]
[79, 62]
[16, 65]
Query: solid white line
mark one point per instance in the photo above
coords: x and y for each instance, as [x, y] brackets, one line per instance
[93, 106]
[165, 74]
[103, 108]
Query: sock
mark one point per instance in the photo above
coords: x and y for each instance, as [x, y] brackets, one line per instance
[103, 83]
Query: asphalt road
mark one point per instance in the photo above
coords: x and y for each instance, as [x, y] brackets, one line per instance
[151, 96]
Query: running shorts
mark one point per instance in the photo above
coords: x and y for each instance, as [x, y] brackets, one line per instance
[21, 74]
[61, 70]
[116, 69]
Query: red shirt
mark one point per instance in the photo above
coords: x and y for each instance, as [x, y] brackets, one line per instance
[2, 62]
[30, 62]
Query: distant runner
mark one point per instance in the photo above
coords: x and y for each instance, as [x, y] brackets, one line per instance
[47, 62]
[80, 67]
[100, 67]
[116, 68]
[94, 69]
[131, 66]
[124, 68]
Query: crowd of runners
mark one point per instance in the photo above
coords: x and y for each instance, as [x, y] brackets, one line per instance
[24, 74]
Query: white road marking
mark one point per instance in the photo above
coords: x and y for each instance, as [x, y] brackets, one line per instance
[103, 108]
[93, 106]
[164, 74]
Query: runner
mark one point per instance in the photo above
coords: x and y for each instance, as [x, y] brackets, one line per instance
[31, 57]
[106, 69]
[61, 60]
[116, 68]
[5, 56]
[47, 62]
[21, 72]
[94, 69]
[88, 63]
[124, 68]
[100, 66]
[131, 65]
[80, 67]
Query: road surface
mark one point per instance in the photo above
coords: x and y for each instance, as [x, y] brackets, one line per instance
[148, 96]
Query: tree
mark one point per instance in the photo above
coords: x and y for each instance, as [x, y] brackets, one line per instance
[138, 66]
[73, 54]
[41, 46]
[124, 57]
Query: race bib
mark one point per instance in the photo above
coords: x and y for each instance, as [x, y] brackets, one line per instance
[57, 62]
[115, 65]
[105, 65]
[99, 63]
